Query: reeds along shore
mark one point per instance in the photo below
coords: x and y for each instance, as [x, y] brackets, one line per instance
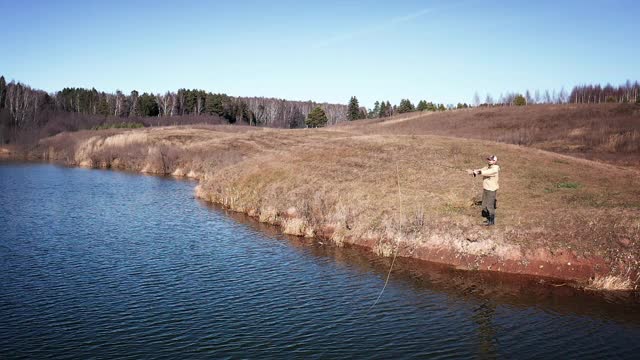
[558, 216]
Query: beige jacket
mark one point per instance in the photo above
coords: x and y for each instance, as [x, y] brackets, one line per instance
[490, 177]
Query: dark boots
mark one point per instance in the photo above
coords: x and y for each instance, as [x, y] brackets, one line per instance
[491, 220]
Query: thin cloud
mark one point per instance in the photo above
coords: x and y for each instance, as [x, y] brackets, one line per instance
[370, 30]
[409, 17]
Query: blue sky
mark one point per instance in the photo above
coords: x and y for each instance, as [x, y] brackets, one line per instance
[441, 51]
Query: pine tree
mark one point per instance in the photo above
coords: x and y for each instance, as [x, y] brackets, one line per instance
[376, 109]
[383, 110]
[103, 105]
[214, 104]
[147, 105]
[519, 100]
[3, 87]
[422, 105]
[353, 111]
[405, 106]
[316, 118]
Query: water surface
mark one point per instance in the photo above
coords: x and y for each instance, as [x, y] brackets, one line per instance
[102, 264]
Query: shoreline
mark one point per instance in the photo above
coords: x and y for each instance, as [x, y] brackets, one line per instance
[569, 267]
[441, 256]
[578, 270]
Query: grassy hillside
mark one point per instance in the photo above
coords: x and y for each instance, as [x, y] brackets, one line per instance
[394, 186]
[603, 132]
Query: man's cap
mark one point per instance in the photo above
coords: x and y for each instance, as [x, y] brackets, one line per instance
[492, 158]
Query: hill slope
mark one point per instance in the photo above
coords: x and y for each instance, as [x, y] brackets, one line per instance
[604, 132]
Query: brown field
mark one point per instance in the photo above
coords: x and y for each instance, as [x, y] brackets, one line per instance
[603, 132]
[399, 185]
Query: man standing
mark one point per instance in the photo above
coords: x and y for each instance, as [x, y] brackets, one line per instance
[490, 176]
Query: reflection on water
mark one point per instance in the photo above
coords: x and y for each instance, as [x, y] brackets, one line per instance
[487, 288]
[483, 316]
[108, 264]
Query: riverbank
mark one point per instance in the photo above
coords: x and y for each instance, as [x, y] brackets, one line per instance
[558, 216]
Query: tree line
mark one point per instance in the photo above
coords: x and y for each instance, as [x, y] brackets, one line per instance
[526, 98]
[596, 94]
[580, 94]
[22, 102]
[25, 110]
[382, 109]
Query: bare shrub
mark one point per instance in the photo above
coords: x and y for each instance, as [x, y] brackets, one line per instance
[628, 141]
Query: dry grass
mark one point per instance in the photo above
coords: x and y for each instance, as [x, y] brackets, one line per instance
[606, 132]
[343, 182]
[351, 184]
[611, 283]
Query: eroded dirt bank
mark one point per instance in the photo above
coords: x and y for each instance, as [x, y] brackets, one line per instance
[558, 216]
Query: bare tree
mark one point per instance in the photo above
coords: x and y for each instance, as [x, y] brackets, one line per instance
[172, 103]
[527, 96]
[119, 98]
[562, 96]
[488, 99]
[133, 98]
[164, 103]
[476, 99]
[199, 105]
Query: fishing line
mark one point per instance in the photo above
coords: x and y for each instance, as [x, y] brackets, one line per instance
[397, 245]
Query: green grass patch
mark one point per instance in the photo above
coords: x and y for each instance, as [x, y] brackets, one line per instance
[588, 199]
[568, 185]
[449, 208]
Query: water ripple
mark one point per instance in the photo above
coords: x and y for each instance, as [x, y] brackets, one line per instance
[99, 264]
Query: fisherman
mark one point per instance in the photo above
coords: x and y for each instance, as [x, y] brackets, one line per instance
[490, 176]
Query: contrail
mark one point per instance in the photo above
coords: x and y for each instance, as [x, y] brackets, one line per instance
[371, 30]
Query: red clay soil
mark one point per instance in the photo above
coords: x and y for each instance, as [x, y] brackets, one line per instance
[562, 265]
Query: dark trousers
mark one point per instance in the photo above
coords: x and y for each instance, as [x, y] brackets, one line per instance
[489, 203]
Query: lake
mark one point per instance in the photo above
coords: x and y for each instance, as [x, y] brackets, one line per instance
[105, 264]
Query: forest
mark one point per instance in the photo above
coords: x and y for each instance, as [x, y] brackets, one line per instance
[27, 113]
